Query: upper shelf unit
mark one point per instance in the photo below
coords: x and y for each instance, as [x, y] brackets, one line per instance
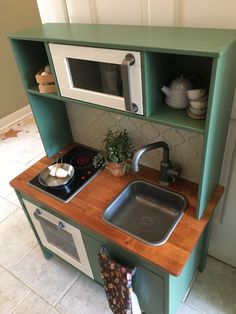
[165, 53]
[161, 54]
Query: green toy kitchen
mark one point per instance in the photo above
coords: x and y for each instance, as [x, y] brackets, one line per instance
[129, 76]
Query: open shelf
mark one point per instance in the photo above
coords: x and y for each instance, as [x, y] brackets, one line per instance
[31, 58]
[172, 117]
[160, 70]
[35, 90]
[178, 118]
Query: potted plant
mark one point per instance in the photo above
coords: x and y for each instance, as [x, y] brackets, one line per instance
[117, 152]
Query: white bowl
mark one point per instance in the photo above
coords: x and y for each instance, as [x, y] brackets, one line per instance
[197, 112]
[194, 94]
[199, 105]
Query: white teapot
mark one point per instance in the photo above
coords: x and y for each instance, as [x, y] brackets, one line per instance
[176, 93]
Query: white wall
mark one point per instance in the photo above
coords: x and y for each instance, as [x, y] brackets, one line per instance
[201, 13]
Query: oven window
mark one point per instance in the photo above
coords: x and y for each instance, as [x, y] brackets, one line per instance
[96, 76]
[59, 238]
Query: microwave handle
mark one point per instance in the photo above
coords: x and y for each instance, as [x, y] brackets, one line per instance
[125, 72]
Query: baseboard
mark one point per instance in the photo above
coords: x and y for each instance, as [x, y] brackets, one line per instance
[15, 116]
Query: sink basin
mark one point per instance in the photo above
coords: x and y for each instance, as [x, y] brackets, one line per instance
[146, 211]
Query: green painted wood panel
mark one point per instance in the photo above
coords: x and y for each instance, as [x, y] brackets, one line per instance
[178, 286]
[149, 38]
[158, 70]
[178, 119]
[53, 123]
[220, 103]
[148, 286]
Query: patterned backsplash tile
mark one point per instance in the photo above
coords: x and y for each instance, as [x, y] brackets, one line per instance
[89, 126]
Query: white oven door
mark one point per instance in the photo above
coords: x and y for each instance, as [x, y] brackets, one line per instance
[107, 77]
[60, 237]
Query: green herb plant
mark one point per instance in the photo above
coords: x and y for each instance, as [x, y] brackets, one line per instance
[118, 148]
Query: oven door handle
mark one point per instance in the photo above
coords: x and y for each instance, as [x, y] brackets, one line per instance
[125, 73]
[60, 226]
[37, 213]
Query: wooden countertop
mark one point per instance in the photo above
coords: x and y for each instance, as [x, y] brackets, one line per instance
[87, 206]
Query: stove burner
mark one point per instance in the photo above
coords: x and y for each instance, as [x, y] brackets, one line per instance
[81, 158]
[81, 161]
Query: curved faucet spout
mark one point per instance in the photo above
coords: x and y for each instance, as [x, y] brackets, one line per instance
[168, 174]
[149, 147]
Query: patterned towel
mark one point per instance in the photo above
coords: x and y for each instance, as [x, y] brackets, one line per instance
[117, 281]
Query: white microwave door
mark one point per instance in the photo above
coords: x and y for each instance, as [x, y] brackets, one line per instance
[63, 57]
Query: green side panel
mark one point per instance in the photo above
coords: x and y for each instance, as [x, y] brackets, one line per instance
[30, 57]
[205, 246]
[149, 38]
[53, 123]
[218, 116]
[178, 286]
[158, 71]
[149, 287]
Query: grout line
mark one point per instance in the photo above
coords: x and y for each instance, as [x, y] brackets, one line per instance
[20, 260]
[17, 208]
[195, 308]
[222, 262]
[68, 288]
[20, 302]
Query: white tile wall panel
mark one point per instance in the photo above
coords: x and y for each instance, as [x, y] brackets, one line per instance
[89, 126]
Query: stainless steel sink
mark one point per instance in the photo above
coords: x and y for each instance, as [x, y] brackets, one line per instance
[146, 211]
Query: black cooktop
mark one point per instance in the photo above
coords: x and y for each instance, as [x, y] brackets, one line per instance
[81, 158]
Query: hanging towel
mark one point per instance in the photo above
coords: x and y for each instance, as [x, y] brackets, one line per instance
[117, 281]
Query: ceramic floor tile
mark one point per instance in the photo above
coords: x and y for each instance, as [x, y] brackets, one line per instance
[85, 297]
[214, 291]
[6, 208]
[12, 198]
[16, 239]
[33, 304]
[9, 169]
[186, 309]
[37, 158]
[50, 279]
[23, 148]
[1, 270]
[12, 292]
[24, 126]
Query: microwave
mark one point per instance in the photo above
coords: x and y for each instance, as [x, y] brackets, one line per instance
[107, 77]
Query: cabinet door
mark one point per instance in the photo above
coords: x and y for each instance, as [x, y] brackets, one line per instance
[59, 237]
[148, 286]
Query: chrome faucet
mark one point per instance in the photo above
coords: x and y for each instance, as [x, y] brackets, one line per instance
[168, 174]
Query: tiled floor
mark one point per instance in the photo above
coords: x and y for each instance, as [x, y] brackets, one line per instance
[29, 284]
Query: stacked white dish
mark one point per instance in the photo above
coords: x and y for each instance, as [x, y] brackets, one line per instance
[197, 103]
